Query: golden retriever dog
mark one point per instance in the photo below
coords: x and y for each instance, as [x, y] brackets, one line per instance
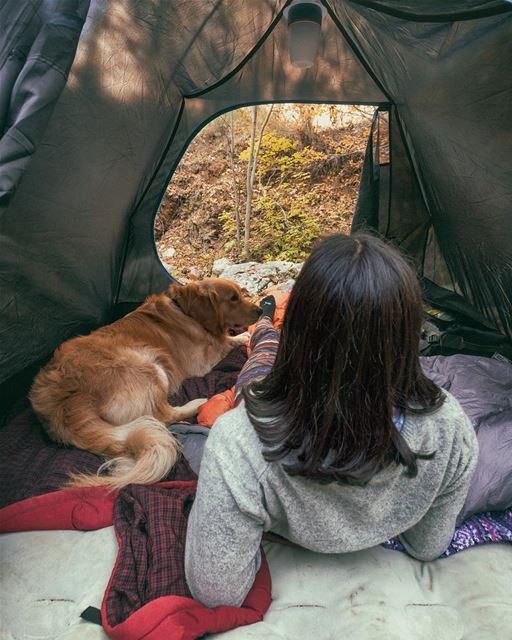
[108, 392]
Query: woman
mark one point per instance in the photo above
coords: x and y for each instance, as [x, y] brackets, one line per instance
[345, 443]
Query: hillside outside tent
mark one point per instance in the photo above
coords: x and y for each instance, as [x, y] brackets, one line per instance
[99, 101]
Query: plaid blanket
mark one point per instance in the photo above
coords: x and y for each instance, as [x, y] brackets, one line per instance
[151, 525]
[147, 596]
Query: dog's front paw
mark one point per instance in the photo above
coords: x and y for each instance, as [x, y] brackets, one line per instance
[188, 410]
[240, 339]
[193, 405]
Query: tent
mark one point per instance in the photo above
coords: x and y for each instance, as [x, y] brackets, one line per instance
[99, 101]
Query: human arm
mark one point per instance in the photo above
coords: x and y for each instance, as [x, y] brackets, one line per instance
[224, 530]
[431, 536]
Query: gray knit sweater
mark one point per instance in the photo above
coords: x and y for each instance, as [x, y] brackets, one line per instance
[240, 495]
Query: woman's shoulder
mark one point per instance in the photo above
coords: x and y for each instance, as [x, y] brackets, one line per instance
[447, 424]
[234, 423]
[452, 414]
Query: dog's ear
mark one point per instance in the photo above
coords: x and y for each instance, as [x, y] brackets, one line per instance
[217, 310]
[212, 295]
[200, 302]
[211, 316]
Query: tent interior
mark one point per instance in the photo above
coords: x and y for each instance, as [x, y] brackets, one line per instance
[98, 103]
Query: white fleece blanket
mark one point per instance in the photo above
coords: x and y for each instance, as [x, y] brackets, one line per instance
[48, 577]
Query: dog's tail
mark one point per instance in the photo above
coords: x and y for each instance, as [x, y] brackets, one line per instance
[141, 451]
[147, 452]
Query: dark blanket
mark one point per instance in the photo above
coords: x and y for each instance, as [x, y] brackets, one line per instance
[32, 464]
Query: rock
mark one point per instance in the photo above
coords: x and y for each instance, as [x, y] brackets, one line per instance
[219, 266]
[194, 273]
[287, 286]
[168, 253]
[255, 277]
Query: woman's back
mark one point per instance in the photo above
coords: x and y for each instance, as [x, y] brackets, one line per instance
[345, 442]
[241, 494]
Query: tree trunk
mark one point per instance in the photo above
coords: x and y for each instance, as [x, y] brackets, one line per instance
[252, 163]
[236, 186]
[249, 182]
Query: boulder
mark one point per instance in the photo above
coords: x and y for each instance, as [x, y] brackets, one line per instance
[219, 266]
[255, 277]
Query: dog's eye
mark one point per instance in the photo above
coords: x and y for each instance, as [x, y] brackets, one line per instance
[234, 298]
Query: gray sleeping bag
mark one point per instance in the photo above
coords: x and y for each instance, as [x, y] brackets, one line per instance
[483, 387]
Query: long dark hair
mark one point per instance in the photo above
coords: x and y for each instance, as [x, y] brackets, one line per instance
[347, 362]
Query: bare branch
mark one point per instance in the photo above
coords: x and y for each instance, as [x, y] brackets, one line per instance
[249, 181]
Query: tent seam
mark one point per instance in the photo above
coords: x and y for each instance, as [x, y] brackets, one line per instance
[435, 17]
[244, 60]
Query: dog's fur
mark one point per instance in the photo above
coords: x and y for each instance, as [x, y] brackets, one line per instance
[107, 392]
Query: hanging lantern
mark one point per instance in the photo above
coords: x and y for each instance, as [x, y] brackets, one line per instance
[304, 31]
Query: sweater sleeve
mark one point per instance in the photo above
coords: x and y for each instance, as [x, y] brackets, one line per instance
[224, 531]
[431, 536]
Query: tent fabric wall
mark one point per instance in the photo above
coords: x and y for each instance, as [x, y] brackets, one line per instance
[37, 50]
[76, 234]
[391, 202]
[451, 86]
[434, 10]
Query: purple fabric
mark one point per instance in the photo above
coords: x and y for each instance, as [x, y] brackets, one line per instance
[483, 386]
[32, 464]
[481, 528]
